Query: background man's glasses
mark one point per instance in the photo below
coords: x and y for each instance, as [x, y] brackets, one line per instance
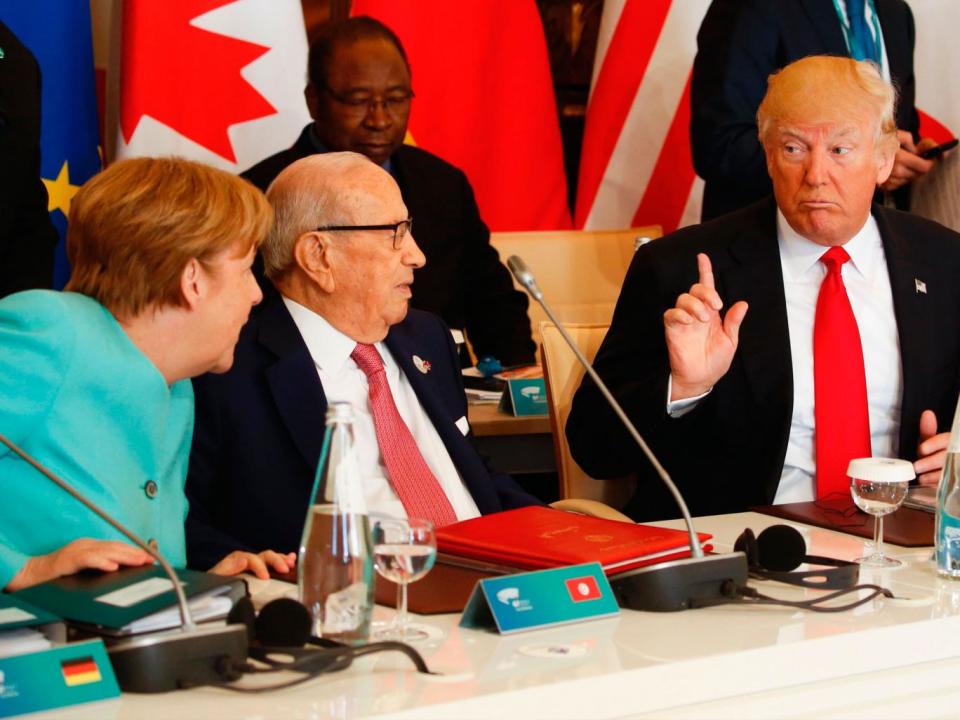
[394, 103]
[399, 229]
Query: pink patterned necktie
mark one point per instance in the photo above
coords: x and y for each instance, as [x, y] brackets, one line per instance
[414, 483]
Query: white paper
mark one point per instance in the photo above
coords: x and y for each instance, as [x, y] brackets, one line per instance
[136, 593]
[13, 614]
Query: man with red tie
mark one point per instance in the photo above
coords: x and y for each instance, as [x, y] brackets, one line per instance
[843, 340]
[342, 254]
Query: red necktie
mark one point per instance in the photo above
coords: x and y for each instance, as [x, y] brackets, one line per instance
[842, 420]
[414, 483]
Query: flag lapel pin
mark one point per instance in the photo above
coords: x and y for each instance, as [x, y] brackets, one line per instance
[920, 285]
[421, 364]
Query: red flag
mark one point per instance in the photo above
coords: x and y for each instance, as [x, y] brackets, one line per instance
[484, 102]
[583, 588]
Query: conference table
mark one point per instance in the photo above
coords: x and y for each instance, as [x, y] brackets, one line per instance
[889, 658]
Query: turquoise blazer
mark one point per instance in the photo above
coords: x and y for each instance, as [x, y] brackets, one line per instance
[78, 396]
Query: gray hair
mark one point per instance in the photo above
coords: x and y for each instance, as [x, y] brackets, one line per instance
[310, 193]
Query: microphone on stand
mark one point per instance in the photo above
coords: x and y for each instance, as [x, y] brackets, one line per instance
[165, 661]
[670, 585]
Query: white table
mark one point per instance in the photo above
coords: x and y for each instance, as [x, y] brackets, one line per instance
[882, 660]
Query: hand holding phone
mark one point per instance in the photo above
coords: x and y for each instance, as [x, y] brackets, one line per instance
[938, 150]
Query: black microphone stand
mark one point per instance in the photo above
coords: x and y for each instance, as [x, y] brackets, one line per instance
[669, 585]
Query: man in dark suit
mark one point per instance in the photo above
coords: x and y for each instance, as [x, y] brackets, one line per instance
[342, 256]
[27, 236]
[741, 42]
[359, 95]
[737, 406]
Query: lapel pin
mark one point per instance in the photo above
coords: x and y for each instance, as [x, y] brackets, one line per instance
[421, 364]
[920, 285]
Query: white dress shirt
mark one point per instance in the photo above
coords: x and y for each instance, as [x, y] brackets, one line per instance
[867, 281]
[343, 381]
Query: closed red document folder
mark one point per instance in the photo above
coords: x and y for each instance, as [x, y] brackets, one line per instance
[533, 538]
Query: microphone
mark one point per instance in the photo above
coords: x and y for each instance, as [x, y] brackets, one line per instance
[665, 586]
[162, 661]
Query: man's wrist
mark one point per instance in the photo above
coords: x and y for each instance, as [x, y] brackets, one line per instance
[682, 391]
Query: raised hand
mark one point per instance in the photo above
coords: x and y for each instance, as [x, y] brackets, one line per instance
[700, 343]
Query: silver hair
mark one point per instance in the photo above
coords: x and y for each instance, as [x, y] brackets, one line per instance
[306, 195]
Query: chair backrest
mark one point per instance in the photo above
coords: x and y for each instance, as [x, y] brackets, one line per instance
[579, 271]
[563, 374]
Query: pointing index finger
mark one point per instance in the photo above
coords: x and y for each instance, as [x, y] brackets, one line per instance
[705, 269]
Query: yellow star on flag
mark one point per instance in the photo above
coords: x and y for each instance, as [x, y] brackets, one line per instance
[61, 192]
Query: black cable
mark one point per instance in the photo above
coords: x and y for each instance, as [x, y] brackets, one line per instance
[745, 595]
[331, 659]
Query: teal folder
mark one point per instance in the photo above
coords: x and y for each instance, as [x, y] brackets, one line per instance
[106, 602]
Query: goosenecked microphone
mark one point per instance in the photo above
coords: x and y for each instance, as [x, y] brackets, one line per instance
[162, 661]
[670, 585]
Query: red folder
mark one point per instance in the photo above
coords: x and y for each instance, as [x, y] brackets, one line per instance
[533, 538]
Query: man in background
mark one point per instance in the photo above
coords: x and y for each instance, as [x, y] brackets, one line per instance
[741, 42]
[359, 95]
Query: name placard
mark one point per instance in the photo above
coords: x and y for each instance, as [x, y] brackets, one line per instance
[534, 600]
[525, 397]
[56, 677]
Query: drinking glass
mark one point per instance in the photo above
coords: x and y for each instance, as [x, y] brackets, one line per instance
[404, 550]
[879, 486]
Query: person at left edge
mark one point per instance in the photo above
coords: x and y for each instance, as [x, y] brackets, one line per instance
[341, 254]
[94, 381]
[27, 236]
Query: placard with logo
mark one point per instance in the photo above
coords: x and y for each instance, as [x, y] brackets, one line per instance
[545, 598]
[525, 397]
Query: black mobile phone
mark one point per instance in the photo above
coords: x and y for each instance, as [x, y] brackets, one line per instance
[939, 150]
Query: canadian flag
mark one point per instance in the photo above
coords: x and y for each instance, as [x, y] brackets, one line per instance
[219, 81]
[636, 166]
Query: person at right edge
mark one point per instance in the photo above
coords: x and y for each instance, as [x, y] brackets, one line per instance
[359, 94]
[842, 335]
[742, 41]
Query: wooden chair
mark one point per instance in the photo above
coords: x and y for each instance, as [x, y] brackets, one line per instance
[579, 271]
[563, 373]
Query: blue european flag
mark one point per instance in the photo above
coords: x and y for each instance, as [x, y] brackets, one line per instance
[58, 33]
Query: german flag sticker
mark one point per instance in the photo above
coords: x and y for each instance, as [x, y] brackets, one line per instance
[80, 671]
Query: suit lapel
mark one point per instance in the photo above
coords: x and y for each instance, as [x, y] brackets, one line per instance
[912, 313]
[899, 55]
[293, 381]
[823, 18]
[752, 272]
[422, 385]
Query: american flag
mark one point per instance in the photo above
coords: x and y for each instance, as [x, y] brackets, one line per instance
[636, 166]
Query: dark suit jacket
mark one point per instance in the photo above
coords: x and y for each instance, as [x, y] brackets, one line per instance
[464, 281]
[260, 426]
[740, 43]
[727, 453]
[27, 236]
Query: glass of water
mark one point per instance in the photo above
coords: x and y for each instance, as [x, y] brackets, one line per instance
[879, 486]
[404, 550]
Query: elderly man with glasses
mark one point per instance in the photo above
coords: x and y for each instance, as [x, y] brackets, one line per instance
[342, 255]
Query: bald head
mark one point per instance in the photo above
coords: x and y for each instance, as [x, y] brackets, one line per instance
[320, 191]
[341, 243]
[823, 89]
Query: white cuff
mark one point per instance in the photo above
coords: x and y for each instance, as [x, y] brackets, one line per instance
[679, 408]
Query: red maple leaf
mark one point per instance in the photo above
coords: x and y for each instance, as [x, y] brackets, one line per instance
[184, 77]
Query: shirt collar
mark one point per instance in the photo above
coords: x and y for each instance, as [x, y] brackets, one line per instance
[329, 348]
[800, 255]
